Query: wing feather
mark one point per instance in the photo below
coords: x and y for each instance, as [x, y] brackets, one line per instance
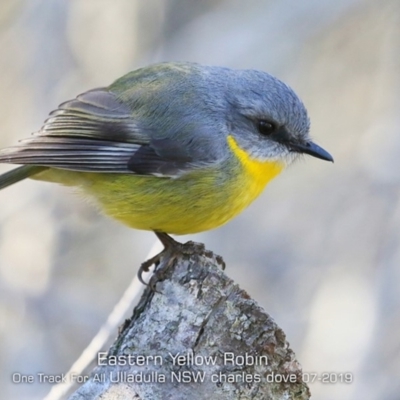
[94, 132]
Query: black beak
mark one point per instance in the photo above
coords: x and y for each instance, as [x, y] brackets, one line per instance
[312, 149]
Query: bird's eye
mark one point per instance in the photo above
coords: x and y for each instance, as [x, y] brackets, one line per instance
[266, 128]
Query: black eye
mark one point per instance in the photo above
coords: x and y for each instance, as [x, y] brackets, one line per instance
[266, 128]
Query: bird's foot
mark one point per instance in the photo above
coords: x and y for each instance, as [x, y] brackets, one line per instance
[172, 250]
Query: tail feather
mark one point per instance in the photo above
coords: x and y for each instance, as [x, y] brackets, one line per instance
[18, 174]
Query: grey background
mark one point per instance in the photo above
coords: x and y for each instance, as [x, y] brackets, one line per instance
[319, 249]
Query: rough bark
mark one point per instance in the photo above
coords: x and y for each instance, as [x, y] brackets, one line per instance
[200, 314]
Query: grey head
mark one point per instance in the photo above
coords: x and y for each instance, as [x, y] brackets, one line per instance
[269, 120]
[265, 116]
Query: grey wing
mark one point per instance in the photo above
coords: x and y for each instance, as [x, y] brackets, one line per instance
[96, 132]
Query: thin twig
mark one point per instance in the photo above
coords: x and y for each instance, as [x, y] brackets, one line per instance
[128, 299]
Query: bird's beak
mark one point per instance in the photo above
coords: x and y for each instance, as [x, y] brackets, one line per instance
[312, 149]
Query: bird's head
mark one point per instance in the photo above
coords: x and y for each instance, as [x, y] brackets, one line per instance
[267, 119]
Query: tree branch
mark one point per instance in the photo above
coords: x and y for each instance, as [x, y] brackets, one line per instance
[198, 337]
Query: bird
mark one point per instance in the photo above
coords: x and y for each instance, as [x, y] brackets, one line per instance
[173, 148]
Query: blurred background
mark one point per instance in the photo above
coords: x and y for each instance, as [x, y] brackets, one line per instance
[319, 250]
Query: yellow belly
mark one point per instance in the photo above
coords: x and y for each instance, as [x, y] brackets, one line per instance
[195, 202]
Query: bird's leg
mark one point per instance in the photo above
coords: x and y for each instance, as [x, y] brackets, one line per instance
[173, 249]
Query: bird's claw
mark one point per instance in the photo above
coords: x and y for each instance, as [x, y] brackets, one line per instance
[172, 250]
